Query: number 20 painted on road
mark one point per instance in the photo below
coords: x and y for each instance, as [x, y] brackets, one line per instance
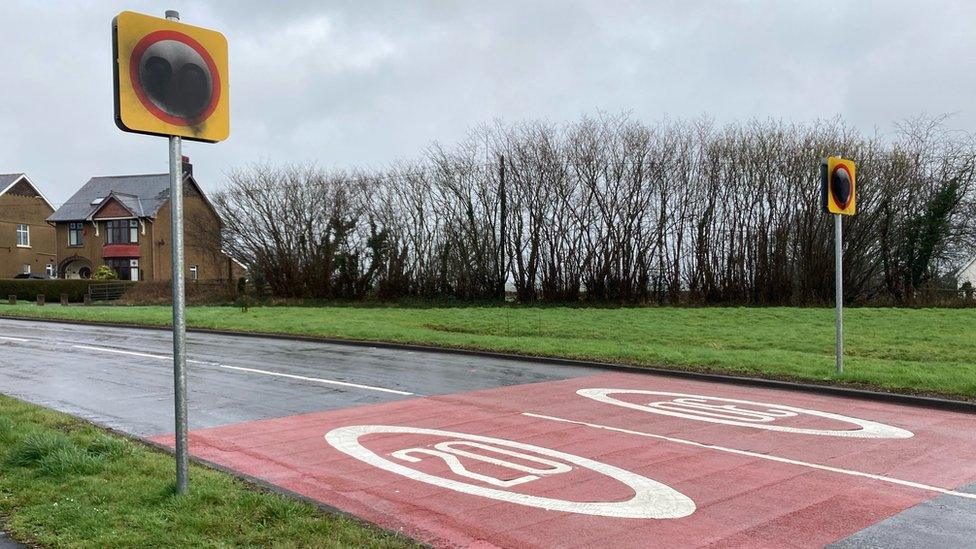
[651, 499]
[757, 415]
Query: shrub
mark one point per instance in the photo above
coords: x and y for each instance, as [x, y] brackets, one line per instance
[105, 273]
[27, 290]
[197, 293]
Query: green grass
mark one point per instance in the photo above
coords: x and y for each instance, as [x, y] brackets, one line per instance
[67, 483]
[930, 351]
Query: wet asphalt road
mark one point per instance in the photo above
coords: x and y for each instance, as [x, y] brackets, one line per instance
[122, 378]
[7, 543]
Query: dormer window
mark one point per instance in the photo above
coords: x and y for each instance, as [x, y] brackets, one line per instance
[122, 231]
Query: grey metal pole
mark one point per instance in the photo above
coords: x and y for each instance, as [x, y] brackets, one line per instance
[839, 290]
[179, 303]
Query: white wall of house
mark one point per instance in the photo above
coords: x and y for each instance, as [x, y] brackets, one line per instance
[968, 274]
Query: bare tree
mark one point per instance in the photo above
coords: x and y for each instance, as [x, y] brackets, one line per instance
[612, 209]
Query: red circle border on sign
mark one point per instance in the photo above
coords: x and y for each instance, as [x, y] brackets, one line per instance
[136, 56]
[850, 195]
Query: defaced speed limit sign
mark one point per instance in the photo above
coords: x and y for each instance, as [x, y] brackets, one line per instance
[170, 78]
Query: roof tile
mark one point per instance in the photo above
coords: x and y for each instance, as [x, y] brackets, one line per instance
[142, 194]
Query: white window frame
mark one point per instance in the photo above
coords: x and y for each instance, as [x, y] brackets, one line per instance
[76, 229]
[25, 269]
[49, 270]
[23, 229]
[127, 230]
[194, 272]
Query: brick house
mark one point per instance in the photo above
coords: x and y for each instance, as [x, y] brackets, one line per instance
[26, 241]
[124, 222]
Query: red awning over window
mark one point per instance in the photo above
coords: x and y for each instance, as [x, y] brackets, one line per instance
[120, 250]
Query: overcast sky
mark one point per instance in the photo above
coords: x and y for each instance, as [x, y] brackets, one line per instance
[362, 83]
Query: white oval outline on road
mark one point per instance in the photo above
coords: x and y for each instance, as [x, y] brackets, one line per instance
[651, 500]
[868, 429]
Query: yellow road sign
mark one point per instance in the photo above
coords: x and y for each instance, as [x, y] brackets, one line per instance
[170, 78]
[839, 186]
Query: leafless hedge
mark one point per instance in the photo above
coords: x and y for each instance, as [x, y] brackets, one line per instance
[611, 209]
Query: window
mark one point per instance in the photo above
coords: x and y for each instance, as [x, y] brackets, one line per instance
[122, 231]
[25, 268]
[49, 270]
[114, 233]
[76, 234]
[194, 272]
[117, 266]
[122, 268]
[23, 235]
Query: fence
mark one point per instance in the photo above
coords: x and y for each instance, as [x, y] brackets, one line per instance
[107, 291]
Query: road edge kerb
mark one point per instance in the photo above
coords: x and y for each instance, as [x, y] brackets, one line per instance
[833, 390]
[252, 481]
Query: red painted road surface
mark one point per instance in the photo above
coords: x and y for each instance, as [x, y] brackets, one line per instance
[473, 469]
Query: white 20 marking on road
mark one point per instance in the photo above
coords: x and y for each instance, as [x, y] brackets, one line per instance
[758, 415]
[449, 452]
[651, 500]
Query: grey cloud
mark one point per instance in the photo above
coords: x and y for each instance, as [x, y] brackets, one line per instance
[347, 84]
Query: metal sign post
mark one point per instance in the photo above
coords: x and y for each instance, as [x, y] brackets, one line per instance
[838, 184]
[179, 303]
[839, 290]
[170, 79]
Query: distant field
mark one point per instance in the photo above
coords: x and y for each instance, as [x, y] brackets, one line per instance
[906, 350]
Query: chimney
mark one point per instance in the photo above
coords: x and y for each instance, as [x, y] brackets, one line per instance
[187, 167]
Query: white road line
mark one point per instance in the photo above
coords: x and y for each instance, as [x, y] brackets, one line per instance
[318, 380]
[762, 456]
[251, 370]
[17, 339]
[121, 352]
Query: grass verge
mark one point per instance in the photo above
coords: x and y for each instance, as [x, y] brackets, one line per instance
[67, 483]
[919, 351]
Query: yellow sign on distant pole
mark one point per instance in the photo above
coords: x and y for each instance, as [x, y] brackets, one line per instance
[838, 196]
[170, 78]
[839, 192]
